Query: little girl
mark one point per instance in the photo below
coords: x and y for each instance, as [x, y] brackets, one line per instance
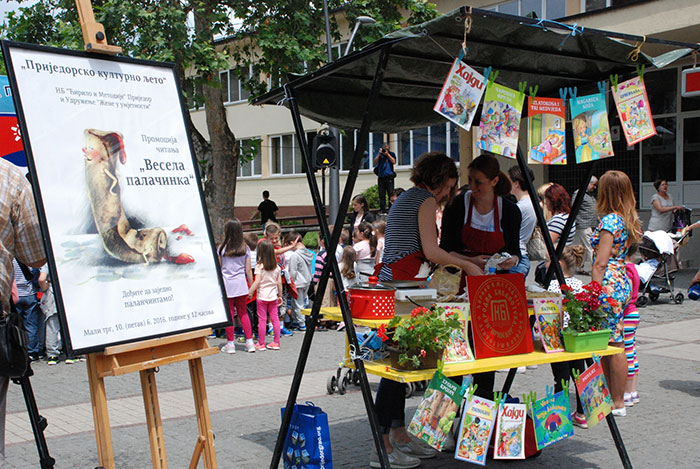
[234, 257]
[268, 284]
[363, 235]
[570, 261]
[379, 233]
[347, 267]
[631, 321]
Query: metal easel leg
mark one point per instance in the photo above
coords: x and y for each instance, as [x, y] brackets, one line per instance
[331, 263]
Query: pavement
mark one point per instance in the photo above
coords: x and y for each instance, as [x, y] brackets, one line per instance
[246, 392]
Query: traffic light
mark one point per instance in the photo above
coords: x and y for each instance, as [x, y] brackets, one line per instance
[325, 148]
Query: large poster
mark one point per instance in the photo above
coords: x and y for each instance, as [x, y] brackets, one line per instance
[633, 106]
[500, 120]
[589, 120]
[546, 134]
[118, 193]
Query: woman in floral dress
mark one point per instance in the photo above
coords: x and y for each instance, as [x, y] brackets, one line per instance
[619, 227]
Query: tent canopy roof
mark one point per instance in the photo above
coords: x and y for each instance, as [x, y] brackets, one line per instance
[544, 53]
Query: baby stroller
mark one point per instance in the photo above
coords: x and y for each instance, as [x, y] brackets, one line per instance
[658, 250]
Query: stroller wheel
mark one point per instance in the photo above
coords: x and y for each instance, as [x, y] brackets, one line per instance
[642, 301]
[679, 298]
[653, 296]
[410, 387]
[331, 384]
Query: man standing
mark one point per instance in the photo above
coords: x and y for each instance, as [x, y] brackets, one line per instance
[586, 221]
[384, 169]
[267, 210]
[20, 237]
[529, 219]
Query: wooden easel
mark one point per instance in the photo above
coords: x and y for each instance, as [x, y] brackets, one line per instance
[144, 357]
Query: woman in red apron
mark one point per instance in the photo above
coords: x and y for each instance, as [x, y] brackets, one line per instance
[481, 223]
[410, 245]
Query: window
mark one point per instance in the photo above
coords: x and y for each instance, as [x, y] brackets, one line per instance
[251, 167]
[659, 152]
[337, 50]
[348, 141]
[441, 137]
[286, 156]
[232, 88]
[662, 90]
[548, 9]
[691, 149]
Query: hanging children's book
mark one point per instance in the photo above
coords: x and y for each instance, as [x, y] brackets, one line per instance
[458, 349]
[510, 432]
[589, 122]
[461, 94]
[546, 129]
[552, 420]
[500, 120]
[633, 106]
[594, 394]
[475, 432]
[437, 411]
[548, 314]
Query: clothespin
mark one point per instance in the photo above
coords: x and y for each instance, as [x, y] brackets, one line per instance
[565, 385]
[462, 53]
[601, 87]
[529, 399]
[549, 390]
[533, 92]
[573, 92]
[575, 373]
[440, 364]
[487, 74]
[613, 81]
[640, 71]
[596, 358]
[562, 93]
[522, 86]
[492, 78]
[499, 398]
[469, 391]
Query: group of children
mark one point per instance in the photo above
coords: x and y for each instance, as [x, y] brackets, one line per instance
[269, 279]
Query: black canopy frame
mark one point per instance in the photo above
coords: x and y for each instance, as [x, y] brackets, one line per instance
[392, 85]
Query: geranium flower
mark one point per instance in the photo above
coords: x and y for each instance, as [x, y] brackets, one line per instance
[422, 353]
[381, 333]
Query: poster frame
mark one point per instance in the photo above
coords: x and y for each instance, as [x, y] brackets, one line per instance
[7, 46]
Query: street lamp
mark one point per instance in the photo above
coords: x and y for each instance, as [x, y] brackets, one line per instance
[359, 22]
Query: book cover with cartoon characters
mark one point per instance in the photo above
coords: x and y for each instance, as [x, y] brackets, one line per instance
[437, 411]
[458, 348]
[461, 94]
[500, 120]
[552, 419]
[594, 394]
[548, 316]
[510, 432]
[475, 432]
[589, 122]
[546, 130]
[633, 107]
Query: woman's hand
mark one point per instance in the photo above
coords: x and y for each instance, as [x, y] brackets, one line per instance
[470, 268]
[602, 256]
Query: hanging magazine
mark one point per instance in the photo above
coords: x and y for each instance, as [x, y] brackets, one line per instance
[510, 432]
[589, 122]
[633, 107]
[548, 314]
[460, 95]
[475, 432]
[552, 420]
[458, 349]
[437, 411]
[546, 130]
[594, 394]
[500, 120]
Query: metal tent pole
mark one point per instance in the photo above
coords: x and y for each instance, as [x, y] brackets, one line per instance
[541, 222]
[331, 263]
[570, 221]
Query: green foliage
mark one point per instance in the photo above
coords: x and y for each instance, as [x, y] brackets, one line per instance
[372, 196]
[426, 329]
[585, 308]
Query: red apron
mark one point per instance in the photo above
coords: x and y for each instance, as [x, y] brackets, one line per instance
[481, 242]
[405, 268]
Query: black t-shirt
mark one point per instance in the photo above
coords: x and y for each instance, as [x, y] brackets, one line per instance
[267, 210]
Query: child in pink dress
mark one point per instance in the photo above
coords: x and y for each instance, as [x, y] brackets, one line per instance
[268, 285]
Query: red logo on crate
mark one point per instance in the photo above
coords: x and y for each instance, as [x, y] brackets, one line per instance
[500, 324]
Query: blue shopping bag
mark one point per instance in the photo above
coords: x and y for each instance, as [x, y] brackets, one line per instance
[308, 442]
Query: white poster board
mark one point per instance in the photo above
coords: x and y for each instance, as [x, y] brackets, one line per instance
[128, 236]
